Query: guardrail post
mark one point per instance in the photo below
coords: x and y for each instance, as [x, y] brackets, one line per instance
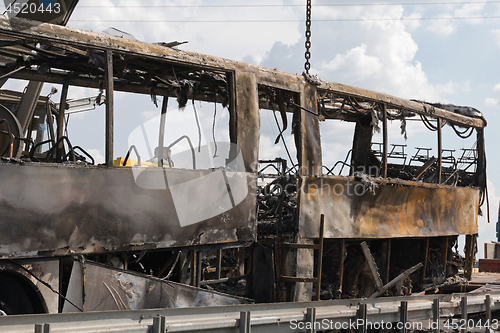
[311, 318]
[245, 322]
[435, 315]
[463, 306]
[159, 324]
[362, 316]
[198, 269]
[42, 328]
[488, 312]
[403, 315]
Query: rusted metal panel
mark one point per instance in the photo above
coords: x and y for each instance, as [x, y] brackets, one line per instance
[309, 143]
[247, 119]
[489, 265]
[109, 107]
[97, 287]
[410, 209]
[57, 210]
[309, 157]
[401, 103]
[48, 33]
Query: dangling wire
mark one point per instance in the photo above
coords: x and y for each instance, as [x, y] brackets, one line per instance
[66, 125]
[197, 124]
[427, 123]
[463, 134]
[282, 138]
[213, 125]
[279, 128]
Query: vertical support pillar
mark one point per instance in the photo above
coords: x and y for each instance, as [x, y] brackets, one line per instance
[161, 137]
[341, 274]
[463, 310]
[60, 120]
[445, 254]
[426, 258]
[311, 318]
[388, 262]
[198, 268]
[245, 322]
[488, 312]
[435, 315]
[403, 315]
[279, 247]
[42, 328]
[244, 118]
[109, 108]
[320, 257]
[440, 149]
[159, 324]
[362, 310]
[470, 246]
[38, 328]
[186, 267]
[241, 260]
[219, 259]
[50, 121]
[480, 171]
[28, 103]
[385, 139]
[308, 144]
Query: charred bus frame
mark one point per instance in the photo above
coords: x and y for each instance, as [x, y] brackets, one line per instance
[87, 210]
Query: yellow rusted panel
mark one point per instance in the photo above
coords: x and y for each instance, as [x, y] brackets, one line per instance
[409, 209]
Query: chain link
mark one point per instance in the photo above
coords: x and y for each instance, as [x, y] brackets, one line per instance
[307, 65]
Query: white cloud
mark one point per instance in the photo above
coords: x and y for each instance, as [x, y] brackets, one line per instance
[466, 87]
[449, 88]
[267, 149]
[491, 102]
[412, 22]
[449, 20]
[376, 54]
[362, 64]
[496, 33]
[97, 155]
[180, 20]
[146, 115]
[442, 26]
[470, 10]
[494, 101]
[336, 140]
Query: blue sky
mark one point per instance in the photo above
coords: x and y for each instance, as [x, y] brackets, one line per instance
[431, 51]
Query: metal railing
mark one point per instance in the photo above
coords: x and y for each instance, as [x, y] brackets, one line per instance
[358, 314]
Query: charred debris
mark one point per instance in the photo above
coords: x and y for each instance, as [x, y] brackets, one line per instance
[400, 236]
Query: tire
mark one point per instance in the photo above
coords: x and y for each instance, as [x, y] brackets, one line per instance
[10, 123]
[18, 295]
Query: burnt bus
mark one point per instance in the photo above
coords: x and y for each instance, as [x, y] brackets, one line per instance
[171, 217]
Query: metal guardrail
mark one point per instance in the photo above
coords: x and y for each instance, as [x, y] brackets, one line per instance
[275, 317]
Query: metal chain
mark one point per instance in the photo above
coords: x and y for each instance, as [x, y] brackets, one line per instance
[307, 65]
